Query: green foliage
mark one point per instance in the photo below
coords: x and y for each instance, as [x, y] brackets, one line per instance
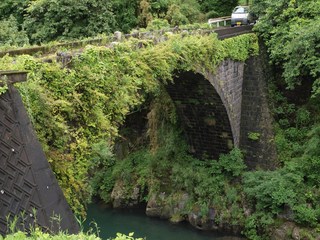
[183, 12]
[10, 34]
[295, 185]
[236, 168]
[271, 190]
[157, 24]
[102, 161]
[292, 40]
[216, 8]
[145, 15]
[269, 193]
[125, 13]
[250, 43]
[33, 231]
[38, 234]
[176, 12]
[121, 236]
[3, 85]
[306, 215]
[67, 19]
[52, 20]
[77, 111]
[257, 224]
[15, 8]
[254, 136]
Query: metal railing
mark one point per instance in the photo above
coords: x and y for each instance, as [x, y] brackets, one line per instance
[218, 20]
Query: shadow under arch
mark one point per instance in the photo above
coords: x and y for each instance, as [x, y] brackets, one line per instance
[202, 115]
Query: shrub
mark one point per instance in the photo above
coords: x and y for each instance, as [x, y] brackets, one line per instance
[10, 35]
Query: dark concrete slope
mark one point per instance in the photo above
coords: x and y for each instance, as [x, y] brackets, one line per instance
[28, 188]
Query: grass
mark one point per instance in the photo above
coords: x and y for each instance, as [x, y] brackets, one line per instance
[34, 232]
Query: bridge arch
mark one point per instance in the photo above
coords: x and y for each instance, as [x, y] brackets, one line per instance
[202, 115]
[209, 107]
[228, 82]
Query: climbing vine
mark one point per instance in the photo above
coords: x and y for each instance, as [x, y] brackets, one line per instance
[77, 107]
[3, 85]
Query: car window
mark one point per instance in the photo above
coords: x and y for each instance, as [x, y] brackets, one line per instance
[240, 10]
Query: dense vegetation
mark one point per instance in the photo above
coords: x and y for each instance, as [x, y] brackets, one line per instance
[86, 105]
[40, 21]
[292, 191]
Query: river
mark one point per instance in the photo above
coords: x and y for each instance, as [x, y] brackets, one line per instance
[110, 221]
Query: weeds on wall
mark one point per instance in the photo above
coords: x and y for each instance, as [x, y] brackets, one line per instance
[3, 85]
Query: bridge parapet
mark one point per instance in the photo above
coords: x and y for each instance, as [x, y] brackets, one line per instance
[157, 36]
[218, 20]
[14, 76]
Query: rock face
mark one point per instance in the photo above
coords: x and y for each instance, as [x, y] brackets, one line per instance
[290, 231]
[172, 207]
[122, 197]
[157, 207]
[283, 232]
[206, 222]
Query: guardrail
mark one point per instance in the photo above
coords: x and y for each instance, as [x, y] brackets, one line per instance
[218, 20]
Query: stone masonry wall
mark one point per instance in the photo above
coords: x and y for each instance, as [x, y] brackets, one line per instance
[225, 109]
[227, 81]
[256, 119]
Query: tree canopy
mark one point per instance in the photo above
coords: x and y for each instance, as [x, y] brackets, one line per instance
[50, 20]
[290, 32]
[57, 19]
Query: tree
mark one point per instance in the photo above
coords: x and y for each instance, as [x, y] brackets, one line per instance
[288, 28]
[49, 20]
[183, 12]
[217, 8]
[159, 8]
[126, 14]
[15, 8]
[145, 15]
[10, 34]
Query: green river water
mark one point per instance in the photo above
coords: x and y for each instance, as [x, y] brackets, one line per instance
[111, 221]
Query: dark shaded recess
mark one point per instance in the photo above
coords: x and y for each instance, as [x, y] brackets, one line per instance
[201, 114]
[133, 133]
[301, 92]
[28, 187]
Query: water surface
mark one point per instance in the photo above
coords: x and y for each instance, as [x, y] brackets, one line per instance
[110, 221]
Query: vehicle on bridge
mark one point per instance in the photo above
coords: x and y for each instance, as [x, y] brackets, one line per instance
[241, 15]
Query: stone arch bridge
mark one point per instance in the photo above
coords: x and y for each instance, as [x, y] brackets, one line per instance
[226, 109]
[217, 111]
